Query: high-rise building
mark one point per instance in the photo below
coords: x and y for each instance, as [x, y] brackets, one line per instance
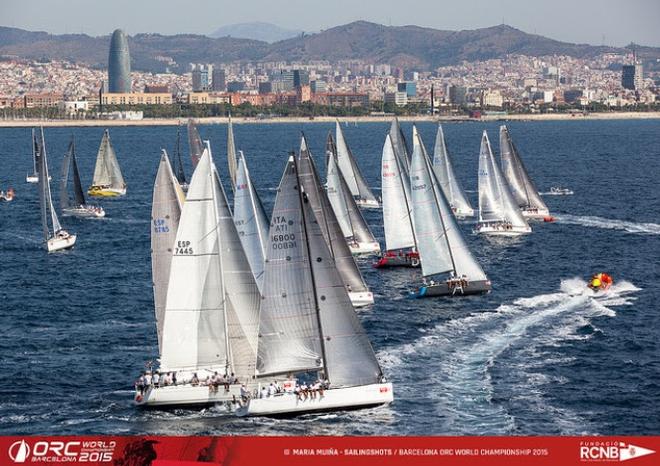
[200, 78]
[300, 78]
[632, 76]
[218, 83]
[119, 64]
[265, 87]
[235, 86]
[457, 95]
[318, 86]
[410, 88]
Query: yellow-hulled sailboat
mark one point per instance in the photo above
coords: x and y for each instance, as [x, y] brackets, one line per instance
[108, 180]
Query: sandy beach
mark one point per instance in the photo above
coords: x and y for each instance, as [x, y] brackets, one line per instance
[328, 119]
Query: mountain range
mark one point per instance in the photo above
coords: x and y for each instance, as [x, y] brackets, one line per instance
[265, 32]
[404, 46]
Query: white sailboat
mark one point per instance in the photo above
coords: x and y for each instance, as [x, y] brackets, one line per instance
[108, 180]
[79, 208]
[400, 242]
[308, 330]
[231, 153]
[168, 199]
[498, 211]
[444, 171]
[251, 221]
[351, 172]
[57, 239]
[345, 262]
[355, 229]
[522, 187]
[448, 266]
[212, 306]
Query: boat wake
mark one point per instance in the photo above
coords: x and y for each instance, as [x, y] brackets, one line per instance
[478, 367]
[610, 224]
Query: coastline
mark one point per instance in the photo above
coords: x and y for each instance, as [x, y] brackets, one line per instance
[329, 119]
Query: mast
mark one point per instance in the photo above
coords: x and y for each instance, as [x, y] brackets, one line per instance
[35, 151]
[303, 199]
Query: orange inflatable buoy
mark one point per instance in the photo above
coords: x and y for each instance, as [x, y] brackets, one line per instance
[549, 219]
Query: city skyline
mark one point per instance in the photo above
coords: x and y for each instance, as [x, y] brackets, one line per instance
[607, 22]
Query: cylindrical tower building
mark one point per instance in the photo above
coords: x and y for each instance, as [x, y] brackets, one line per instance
[119, 64]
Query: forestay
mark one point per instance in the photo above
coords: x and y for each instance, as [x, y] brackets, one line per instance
[250, 220]
[496, 203]
[522, 187]
[350, 170]
[165, 214]
[396, 201]
[444, 172]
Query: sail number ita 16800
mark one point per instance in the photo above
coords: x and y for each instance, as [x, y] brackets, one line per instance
[282, 238]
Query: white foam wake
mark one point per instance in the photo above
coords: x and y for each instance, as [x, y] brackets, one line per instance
[449, 368]
[610, 224]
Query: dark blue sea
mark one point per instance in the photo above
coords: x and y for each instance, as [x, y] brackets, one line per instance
[536, 356]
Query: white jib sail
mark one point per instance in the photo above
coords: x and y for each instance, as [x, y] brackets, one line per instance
[444, 171]
[397, 219]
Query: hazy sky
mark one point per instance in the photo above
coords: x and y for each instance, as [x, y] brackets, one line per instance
[612, 22]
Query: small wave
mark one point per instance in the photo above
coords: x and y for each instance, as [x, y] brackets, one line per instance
[610, 224]
[462, 353]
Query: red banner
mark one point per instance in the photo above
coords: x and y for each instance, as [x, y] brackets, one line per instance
[321, 451]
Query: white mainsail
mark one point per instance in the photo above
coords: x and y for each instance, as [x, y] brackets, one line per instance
[496, 203]
[231, 153]
[397, 219]
[212, 298]
[165, 214]
[307, 320]
[522, 187]
[350, 170]
[442, 247]
[250, 220]
[45, 196]
[400, 147]
[107, 173]
[444, 171]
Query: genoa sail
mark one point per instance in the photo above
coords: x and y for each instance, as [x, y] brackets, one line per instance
[195, 145]
[442, 247]
[522, 187]
[251, 220]
[350, 170]
[165, 214]
[444, 171]
[397, 219]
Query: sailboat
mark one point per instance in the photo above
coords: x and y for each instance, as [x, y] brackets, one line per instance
[444, 171]
[34, 176]
[195, 145]
[349, 271]
[167, 201]
[251, 221]
[349, 168]
[211, 317]
[448, 266]
[180, 173]
[108, 180]
[231, 153]
[523, 189]
[400, 241]
[498, 211]
[308, 330]
[79, 208]
[57, 239]
[355, 229]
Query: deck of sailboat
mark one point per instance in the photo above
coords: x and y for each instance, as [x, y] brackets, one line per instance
[476, 287]
[187, 396]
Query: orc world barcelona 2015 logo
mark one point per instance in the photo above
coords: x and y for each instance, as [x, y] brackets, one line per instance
[613, 451]
[59, 451]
